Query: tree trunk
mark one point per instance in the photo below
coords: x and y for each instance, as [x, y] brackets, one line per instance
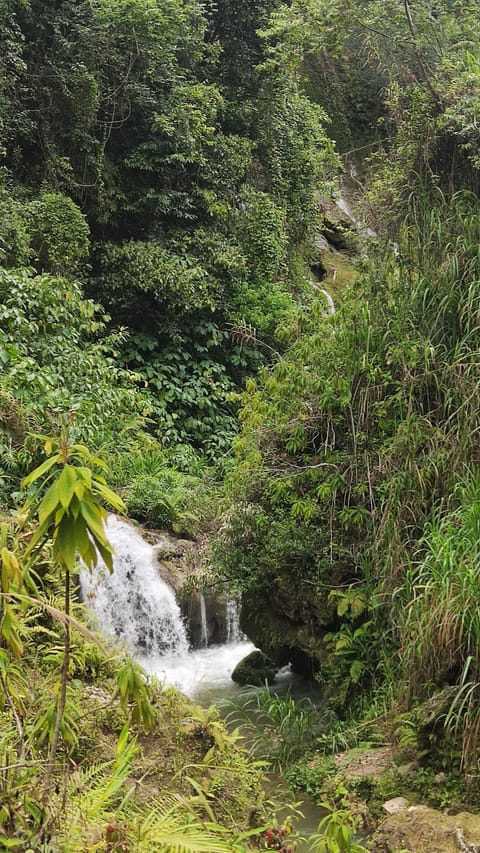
[62, 696]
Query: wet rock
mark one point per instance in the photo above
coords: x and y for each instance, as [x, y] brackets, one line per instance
[255, 669]
[214, 629]
[423, 830]
[321, 243]
[440, 778]
[430, 718]
[427, 714]
[287, 627]
[167, 548]
[341, 238]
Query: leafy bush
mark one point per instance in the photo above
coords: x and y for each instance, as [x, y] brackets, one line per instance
[55, 356]
[59, 234]
[187, 388]
[145, 283]
[157, 493]
[261, 234]
[14, 236]
[348, 444]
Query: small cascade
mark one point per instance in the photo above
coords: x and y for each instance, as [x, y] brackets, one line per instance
[203, 621]
[344, 205]
[133, 603]
[234, 634]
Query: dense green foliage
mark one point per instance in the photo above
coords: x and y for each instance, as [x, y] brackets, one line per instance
[161, 170]
[120, 113]
[128, 186]
[356, 465]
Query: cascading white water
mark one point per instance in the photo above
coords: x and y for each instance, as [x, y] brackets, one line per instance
[234, 634]
[203, 621]
[135, 606]
[133, 603]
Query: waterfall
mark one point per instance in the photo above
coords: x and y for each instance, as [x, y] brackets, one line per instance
[203, 621]
[133, 603]
[234, 634]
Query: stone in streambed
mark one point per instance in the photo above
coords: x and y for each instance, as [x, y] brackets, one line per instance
[396, 805]
[255, 669]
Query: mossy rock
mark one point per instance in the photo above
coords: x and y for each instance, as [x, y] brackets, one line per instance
[255, 669]
[423, 830]
[292, 632]
[430, 717]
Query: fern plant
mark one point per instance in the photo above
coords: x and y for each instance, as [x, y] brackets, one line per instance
[97, 813]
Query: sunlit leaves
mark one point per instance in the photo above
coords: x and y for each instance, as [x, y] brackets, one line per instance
[11, 577]
[72, 510]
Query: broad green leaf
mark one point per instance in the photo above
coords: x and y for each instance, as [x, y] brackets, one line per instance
[93, 518]
[81, 537]
[86, 476]
[10, 568]
[66, 483]
[79, 490]
[65, 549]
[49, 503]
[100, 462]
[106, 554]
[90, 557]
[42, 469]
[81, 451]
[109, 497]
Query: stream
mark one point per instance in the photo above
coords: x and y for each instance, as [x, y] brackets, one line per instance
[135, 606]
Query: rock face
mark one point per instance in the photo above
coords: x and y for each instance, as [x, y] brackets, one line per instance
[288, 628]
[179, 562]
[207, 621]
[423, 830]
[255, 669]
[370, 763]
[177, 558]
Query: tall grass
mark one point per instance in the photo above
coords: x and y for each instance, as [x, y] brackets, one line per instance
[431, 339]
[426, 550]
[440, 629]
[277, 730]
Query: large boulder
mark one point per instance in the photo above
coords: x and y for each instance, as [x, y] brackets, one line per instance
[422, 830]
[255, 669]
[288, 627]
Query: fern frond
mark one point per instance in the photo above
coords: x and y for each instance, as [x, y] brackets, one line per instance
[171, 828]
